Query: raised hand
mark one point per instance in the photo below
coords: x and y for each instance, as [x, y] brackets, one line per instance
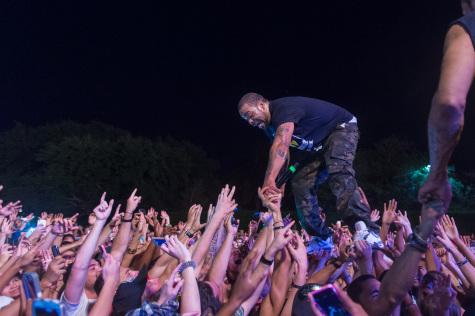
[115, 221]
[63, 226]
[282, 237]
[443, 238]
[56, 268]
[151, 216]
[225, 204]
[210, 214]
[252, 228]
[37, 233]
[110, 270]
[390, 241]
[269, 199]
[30, 255]
[46, 259]
[374, 216]
[402, 220]
[140, 224]
[171, 287]
[436, 190]
[228, 224]
[7, 227]
[298, 251]
[23, 247]
[196, 225]
[266, 218]
[133, 201]
[73, 219]
[389, 213]
[176, 249]
[164, 216]
[363, 250]
[10, 208]
[250, 275]
[6, 251]
[448, 223]
[103, 210]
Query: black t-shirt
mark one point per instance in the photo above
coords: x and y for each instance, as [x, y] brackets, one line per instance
[468, 23]
[313, 119]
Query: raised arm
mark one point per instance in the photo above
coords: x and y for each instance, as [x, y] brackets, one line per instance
[119, 246]
[220, 264]
[298, 251]
[190, 302]
[400, 277]
[451, 230]
[364, 258]
[253, 270]
[77, 279]
[278, 154]
[224, 206]
[467, 269]
[280, 281]
[110, 274]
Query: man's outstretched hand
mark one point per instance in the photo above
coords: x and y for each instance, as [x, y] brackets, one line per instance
[436, 190]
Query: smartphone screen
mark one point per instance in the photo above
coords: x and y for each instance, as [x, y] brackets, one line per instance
[158, 241]
[55, 250]
[326, 299]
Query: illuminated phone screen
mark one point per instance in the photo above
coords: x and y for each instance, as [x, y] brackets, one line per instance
[328, 302]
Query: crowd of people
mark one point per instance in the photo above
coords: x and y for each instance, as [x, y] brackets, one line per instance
[130, 261]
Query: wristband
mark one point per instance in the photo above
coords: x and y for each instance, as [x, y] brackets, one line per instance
[131, 251]
[336, 264]
[278, 227]
[127, 220]
[462, 262]
[295, 286]
[415, 241]
[266, 262]
[186, 265]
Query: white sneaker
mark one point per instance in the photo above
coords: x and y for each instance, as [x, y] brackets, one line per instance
[362, 233]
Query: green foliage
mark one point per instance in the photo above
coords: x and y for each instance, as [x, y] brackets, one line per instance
[66, 166]
[396, 169]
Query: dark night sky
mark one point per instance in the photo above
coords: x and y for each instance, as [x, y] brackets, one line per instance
[179, 68]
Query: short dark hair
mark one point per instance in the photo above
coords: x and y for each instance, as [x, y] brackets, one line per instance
[356, 287]
[208, 301]
[251, 98]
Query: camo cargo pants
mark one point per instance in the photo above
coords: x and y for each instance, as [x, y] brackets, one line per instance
[338, 155]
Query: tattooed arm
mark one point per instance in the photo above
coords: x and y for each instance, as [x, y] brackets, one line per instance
[278, 153]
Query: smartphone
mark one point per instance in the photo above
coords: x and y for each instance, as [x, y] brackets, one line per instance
[326, 300]
[158, 241]
[31, 285]
[42, 307]
[55, 250]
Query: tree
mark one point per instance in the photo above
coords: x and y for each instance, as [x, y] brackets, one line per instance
[67, 165]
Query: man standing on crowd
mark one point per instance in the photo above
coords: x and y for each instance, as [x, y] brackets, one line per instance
[328, 135]
[448, 104]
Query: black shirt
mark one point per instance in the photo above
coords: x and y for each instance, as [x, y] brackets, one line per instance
[313, 119]
[468, 23]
